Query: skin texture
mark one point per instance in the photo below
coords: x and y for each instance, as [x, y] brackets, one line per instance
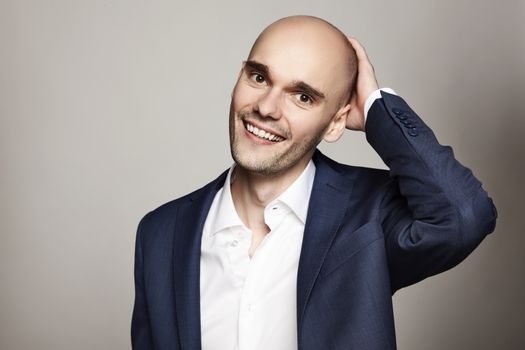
[296, 85]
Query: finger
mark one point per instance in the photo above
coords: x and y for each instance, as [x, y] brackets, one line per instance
[359, 49]
[362, 57]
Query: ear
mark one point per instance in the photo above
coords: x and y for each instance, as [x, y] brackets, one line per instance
[338, 124]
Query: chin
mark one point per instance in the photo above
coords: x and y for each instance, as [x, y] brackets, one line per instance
[257, 166]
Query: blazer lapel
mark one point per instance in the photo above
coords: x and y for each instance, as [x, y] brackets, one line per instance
[327, 207]
[186, 262]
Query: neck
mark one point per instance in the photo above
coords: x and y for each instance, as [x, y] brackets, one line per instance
[252, 192]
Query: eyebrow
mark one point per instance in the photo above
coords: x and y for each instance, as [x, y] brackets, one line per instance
[259, 67]
[296, 85]
[309, 90]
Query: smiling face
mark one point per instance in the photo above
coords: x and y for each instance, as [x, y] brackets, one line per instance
[291, 93]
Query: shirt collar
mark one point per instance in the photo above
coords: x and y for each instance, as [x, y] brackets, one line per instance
[296, 197]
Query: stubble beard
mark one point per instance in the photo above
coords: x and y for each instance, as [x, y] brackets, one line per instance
[276, 163]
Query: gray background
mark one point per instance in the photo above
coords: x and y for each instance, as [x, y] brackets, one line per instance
[111, 108]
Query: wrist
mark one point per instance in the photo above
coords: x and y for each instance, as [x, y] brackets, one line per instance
[374, 95]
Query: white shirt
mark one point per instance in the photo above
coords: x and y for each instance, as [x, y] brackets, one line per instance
[250, 304]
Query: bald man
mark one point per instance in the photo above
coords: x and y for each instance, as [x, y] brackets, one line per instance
[288, 249]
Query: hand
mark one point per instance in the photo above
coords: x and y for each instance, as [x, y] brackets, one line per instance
[366, 84]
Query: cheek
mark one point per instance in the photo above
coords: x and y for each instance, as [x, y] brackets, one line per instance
[307, 124]
[244, 96]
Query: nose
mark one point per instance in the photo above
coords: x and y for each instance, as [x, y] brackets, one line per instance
[268, 104]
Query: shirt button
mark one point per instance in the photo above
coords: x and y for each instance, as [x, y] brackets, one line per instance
[234, 243]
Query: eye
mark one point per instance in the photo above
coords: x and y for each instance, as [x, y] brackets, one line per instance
[305, 99]
[258, 78]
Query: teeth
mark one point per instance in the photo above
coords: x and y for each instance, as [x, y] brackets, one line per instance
[262, 134]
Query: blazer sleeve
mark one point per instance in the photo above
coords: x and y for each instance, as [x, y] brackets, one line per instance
[141, 338]
[435, 212]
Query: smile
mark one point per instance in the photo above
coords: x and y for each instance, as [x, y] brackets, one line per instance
[262, 134]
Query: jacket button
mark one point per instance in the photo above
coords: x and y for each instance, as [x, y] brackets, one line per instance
[406, 122]
[397, 111]
[413, 131]
[401, 117]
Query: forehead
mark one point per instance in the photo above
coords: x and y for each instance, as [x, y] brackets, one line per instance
[307, 55]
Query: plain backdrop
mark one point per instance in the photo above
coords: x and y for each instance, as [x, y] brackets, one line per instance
[110, 108]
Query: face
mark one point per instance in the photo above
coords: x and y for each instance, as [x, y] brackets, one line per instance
[284, 103]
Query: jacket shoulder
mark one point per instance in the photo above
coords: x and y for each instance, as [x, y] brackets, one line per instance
[167, 212]
[363, 175]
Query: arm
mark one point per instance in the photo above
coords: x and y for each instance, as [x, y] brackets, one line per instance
[437, 212]
[140, 325]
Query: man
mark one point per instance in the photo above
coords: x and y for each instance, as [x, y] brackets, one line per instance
[289, 249]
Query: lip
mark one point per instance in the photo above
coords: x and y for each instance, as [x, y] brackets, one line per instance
[258, 126]
[258, 140]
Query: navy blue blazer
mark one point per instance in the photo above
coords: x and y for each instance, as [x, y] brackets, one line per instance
[368, 233]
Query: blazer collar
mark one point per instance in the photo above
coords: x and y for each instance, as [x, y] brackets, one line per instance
[186, 261]
[327, 208]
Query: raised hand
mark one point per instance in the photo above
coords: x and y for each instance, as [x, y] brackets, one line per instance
[366, 84]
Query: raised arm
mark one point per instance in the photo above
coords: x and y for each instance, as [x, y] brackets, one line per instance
[436, 212]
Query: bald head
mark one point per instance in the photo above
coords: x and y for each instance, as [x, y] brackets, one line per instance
[316, 41]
